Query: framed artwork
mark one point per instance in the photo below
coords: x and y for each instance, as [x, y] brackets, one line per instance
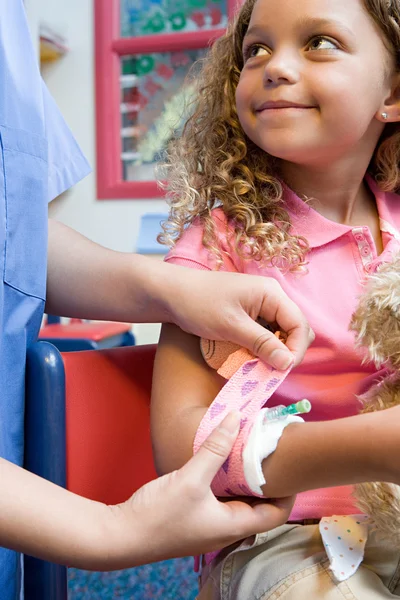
[144, 50]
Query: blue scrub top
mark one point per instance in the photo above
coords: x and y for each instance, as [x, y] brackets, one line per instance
[39, 159]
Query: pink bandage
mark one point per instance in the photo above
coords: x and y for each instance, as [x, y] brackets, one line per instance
[248, 390]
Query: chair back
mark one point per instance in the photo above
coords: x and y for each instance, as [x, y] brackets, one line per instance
[109, 453]
[87, 425]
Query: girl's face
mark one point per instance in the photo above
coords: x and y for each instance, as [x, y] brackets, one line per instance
[315, 80]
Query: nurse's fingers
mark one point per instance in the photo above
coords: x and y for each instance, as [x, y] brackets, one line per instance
[275, 307]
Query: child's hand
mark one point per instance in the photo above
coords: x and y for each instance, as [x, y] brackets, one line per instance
[178, 515]
[224, 306]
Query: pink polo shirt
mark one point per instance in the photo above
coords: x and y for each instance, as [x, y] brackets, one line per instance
[340, 259]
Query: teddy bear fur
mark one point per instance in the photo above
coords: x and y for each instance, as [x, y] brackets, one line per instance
[376, 323]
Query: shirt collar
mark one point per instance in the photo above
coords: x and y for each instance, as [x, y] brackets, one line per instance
[388, 205]
[318, 230]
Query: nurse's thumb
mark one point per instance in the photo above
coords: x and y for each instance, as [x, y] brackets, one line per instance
[214, 450]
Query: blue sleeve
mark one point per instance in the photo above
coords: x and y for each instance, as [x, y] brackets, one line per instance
[67, 164]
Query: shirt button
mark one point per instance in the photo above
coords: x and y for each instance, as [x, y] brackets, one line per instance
[365, 251]
[359, 237]
[368, 267]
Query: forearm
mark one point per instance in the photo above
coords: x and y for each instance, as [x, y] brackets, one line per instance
[46, 521]
[308, 456]
[183, 388]
[340, 452]
[316, 455]
[87, 280]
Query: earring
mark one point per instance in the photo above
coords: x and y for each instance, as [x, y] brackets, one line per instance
[384, 116]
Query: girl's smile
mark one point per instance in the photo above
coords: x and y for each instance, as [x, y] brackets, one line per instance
[313, 80]
[282, 109]
[279, 104]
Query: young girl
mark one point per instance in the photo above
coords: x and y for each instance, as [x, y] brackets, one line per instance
[288, 169]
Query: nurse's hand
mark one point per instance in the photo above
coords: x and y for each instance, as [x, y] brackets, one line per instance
[138, 289]
[224, 306]
[178, 515]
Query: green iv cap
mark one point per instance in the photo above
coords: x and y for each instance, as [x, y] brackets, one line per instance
[304, 406]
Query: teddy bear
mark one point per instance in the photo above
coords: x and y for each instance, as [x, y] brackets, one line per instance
[376, 323]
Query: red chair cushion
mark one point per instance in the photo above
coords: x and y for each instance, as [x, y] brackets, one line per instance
[95, 331]
[109, 452]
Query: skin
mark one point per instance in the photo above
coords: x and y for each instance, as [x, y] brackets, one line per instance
[46, 521]
[329, 57]
[37, 517]
[138, 289]
[133, 288]
[299, 462]
[88, 281]
[342, 73]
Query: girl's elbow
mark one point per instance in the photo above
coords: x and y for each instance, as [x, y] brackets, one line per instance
[161, 467]
[166, 461]
[163, 461]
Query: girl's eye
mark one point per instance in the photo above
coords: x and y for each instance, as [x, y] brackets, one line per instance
[322, 43]
[254, 50]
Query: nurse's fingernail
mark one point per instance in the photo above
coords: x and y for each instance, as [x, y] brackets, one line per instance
[231, 423]
[281, 359]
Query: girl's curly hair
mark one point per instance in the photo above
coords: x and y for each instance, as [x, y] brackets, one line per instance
[213, 163]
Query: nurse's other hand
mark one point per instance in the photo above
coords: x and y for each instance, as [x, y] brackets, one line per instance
[225, 306]
[178, 515]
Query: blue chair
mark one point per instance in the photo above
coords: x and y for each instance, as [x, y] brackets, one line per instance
[45, 453]
[150, 227]
[87, 428]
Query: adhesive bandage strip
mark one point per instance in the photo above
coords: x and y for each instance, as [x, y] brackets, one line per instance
[248, 390]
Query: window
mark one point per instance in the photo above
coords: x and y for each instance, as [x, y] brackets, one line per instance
[144, 49]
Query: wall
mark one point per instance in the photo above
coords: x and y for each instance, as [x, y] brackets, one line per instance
[112, 223]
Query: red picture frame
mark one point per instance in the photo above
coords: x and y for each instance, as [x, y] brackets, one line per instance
[109, 48]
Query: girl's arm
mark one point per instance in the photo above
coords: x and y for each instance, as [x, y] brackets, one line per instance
[308, 456]
[183, 388]
[175, 515]
[339, 452]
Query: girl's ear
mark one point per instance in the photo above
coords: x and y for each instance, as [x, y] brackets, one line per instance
[389, 112]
